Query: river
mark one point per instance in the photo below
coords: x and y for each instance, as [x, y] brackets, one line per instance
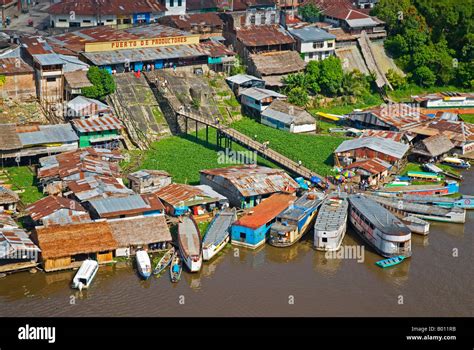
[296, 281]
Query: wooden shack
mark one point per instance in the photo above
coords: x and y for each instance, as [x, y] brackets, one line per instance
[66, 247]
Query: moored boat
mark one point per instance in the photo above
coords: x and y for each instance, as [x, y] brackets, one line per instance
[85, 274]
[464, 202]
[176, 268]
[456, 163]
[164, 261]
[143, 264]
[295, 221]
[190, 244]
[424, 211]
[416, 225]
[390, 261]
[378, 227]
[218, 233]
[331, 223]
[450, 187]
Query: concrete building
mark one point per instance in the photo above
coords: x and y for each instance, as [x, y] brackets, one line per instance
[284, 116]
[313, 43]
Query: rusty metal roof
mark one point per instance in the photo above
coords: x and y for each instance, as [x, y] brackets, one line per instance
[401, 116]
[134, 204]
[52, 204]
[13, 66]
[373, 166]
[15, 241]
[180, 195]
[105, 7]
[188, 21]
[385, 134]
[252, 180]
[264, 35]
[94, 124]
[94, 187]
[279, 62]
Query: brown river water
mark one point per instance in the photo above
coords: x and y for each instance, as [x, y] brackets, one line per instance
[295, 281]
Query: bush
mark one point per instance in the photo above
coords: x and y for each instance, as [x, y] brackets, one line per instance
[298, 96]
[102, 81]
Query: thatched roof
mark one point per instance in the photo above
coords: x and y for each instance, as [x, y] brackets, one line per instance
[7, 196]
[63, 241]
[140, 230]
[434, 146]
[277, 63]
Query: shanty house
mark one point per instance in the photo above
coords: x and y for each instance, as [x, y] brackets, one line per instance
[55, 210]
[256, 100]
[371, 170]
[8, 199]
[251, 229]
[180, 199]
[74, 82]
[246, 185]
[244, 81]
[151, 233]
[84, 107]
[144, 181]
[102, 132]
[19, 78]
[122, 207]
[96, 187]
[355, 150]
[19, 141]
[17, 251]
[432, 148]
[66, 247]
[284, 116]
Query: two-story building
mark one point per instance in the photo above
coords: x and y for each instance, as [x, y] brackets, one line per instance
[313, 43]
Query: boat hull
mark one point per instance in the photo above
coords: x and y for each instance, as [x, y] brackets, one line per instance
[335, 239]
[209, 252]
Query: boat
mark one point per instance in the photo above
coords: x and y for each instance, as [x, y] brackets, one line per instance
[331, 223]
[176, 268]
[426, 176]
[428, 212]
[143, 264]
[435, 169]
[378, 227]
[85, 274]
[390, 262]
[416, 225]
[464, 202]
[456, 163]
[164, 261]
[398, 184]
[449, 187]
[218, 233]
[190, 244]
[295, 221]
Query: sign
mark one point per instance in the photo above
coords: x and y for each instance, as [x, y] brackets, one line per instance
[469, 147]
[141, 43]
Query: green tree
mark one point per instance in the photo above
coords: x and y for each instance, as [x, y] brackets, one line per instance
[298, 96]
[309, 13]
[103, 83]
[331, 75]
[396, 80]
[238, 67]
[424, 76]
[355, 84]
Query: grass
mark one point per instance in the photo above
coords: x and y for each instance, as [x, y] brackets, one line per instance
[468, 118]
[184, 156]
[341, 108]
[23, 178]
[418, 167]
[203, 227]
[314, 151]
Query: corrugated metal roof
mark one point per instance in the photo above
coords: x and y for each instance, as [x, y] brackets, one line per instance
[288, 113]
[118, 204]
[47, 134]
[242, 78]
[386, 146]
[260, 94]
[264, 35]
[311, 34]
[51, 204]
[184, 195]
[252, 180]
[94, 124]
[49, 59]
[373, 166]
[15, 241]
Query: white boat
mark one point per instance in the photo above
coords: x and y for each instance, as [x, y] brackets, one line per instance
[190, 244]
[143, 264]
[378, 227]
[331, 223]
[85, 274]
[217, 234]
[416, 225]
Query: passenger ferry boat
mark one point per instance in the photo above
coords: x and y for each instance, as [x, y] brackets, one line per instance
[456, 163]
[295, 221]
[378, 227]
[217, 234]
[85, 274]
[428, 212]
[465, 202]
[331, 224]
[143, 264]
[190, 244]
[450, 187]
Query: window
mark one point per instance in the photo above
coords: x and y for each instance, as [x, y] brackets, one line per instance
[243, 235]
[263, 19]
[110, 20]
[325, 239]
[330, 45]
[272, 18]
[252, 19]
[318, 45]
[51, 79]
[171, 3]
[180, 2]
[310, 55]
[86, 21]
[62, 20]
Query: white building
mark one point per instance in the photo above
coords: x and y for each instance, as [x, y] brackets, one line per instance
[174, 7]
[284, 116]
[313, 43]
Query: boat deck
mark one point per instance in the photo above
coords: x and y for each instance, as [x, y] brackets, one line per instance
[380, 217]
[219, 227]
[332, 215]
[189, 236]
[299, 208]
[415, 207]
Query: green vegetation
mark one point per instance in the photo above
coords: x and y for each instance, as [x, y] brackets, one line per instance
[3, 79]
[309, 13]
[468, 118]
[238, 67]
[417, 167]
[340, 106]
[203, 227]
[431, 40]
[103, 83]
[23, 178]
[403, 94]
[314, 151]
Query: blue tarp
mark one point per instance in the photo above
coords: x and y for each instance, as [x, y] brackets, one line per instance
[315, 179]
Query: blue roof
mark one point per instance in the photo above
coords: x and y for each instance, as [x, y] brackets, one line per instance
[309, 34]
[48, 134]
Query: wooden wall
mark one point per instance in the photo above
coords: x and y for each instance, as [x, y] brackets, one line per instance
[57, 264]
